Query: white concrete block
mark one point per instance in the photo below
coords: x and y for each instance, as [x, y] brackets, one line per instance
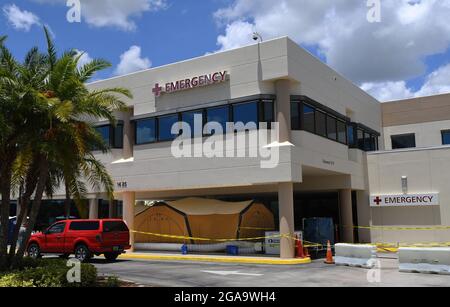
[363, 256]
[424, 260]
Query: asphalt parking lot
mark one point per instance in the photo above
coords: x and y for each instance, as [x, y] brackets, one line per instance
[316, 274]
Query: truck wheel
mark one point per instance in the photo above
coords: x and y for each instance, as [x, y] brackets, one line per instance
[82, 253]
[111, 256]
[34, 251]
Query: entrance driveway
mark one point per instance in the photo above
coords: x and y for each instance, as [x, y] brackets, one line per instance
[317, 274]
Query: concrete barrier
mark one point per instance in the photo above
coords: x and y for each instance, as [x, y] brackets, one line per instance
[424, 260]
[363, 256]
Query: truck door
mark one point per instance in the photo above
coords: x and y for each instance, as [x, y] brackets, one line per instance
[54, 238]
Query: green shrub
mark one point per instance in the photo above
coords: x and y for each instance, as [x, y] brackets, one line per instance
[48, 273]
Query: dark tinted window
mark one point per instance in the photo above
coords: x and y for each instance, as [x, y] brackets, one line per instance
[219, 115]
[165, 125]
[295, 115]
[446, 137]
[360, 137]
[189, 117]
[403, 141]
[246, 113]
[321, 123]
[118, 136]
[267, 112]
[79, 226]
[308, 118]
[342, 132]
[351, 135]
[114, 226]
[145, 131]
[57, 228]
[331, 128]
[105, 133]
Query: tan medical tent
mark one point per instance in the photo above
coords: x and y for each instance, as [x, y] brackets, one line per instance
[202, 218]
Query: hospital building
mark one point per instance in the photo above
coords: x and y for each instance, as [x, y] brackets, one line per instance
[373, 168]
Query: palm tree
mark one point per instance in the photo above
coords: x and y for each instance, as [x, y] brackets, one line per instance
[59, 152]
[19, 86]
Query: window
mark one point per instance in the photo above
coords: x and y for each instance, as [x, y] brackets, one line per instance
[118, 136]
[105, 133]
[220, 115]
[57, 228]
[145, 131]
[165, 124]
[82, 226]
[246, 113]
[342, 132]
[308, 118]
[332, 128]
[360, 138]
[295, 115]
[403, 141]
[321, 123]
[446, 137]
[351, 136]
[114, 226]
[267, 112]
[189, 117]
[368, 144]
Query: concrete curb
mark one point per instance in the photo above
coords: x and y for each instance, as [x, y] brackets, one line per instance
[216, 259]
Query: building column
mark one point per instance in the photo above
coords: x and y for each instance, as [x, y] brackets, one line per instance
[287, 226]
[283, 89]
[128, 135]
[129, 201]
[285, 190]
[93, 209]
[346, 209]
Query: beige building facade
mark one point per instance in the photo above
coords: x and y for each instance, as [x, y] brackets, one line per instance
[331, 141]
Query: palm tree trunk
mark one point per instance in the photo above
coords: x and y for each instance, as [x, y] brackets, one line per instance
[5, 190]
[30, 186]
[40, 188]
[67, 201]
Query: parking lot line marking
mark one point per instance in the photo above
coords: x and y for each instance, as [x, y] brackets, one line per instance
[226, 273]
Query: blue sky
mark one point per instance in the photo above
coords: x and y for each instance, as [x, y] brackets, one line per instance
[406, 54]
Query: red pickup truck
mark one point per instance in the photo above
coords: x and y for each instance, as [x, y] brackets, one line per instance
[84, 238]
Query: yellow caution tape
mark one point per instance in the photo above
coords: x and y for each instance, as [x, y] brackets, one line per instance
[208, 239]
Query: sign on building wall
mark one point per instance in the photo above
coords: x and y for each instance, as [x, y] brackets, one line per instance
[190, 83]
[405, 200]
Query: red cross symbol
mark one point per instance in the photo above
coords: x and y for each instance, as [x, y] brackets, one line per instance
[378, 200]
[157, 90]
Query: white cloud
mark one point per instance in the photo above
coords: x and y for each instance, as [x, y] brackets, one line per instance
[114, 13]
[392, 50]
[20, 19]
[85, 58]
[132, 61]
[435, 83]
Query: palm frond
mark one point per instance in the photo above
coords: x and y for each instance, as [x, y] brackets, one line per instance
[51, 50]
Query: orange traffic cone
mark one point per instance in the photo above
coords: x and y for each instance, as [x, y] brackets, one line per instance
[299, 248]
[329, 254]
